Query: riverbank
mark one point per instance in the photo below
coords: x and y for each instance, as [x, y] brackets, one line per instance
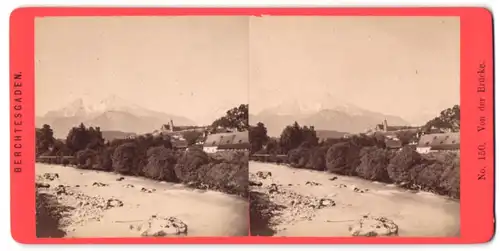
[105, 204]
[314, 203]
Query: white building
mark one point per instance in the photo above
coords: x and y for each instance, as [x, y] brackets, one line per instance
[438, 142]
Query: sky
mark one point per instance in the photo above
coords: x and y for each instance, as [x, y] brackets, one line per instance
[405, 66]
[199, 67]
[191, 66]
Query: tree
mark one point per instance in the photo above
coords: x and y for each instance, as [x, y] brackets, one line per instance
[191, 136]
[272, 146]
[258, 137]
[125, 159]
[291, 137]
[60, 149]
[44, 139]
[235, 118]
[373, 164]
[95, 139]
[160, 165]
[81, 138]
[309, 136]
[399, 168]
[77, 139]
[448, 119]
[294, 136]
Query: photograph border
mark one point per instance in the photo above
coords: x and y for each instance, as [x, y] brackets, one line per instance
[476, 51]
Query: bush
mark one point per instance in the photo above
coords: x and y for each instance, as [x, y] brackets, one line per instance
[227, 175]
[439, 173]
[65, 162]
[426, 175]
[104, 160]
[317, 159]
[125, 159]
[299, 157]
[189, 163]
[366, 141]
[374, 162]
[231, 157]
[161, 163]
[400, 166]
[343, 158]
[86, 159]
[450, 179]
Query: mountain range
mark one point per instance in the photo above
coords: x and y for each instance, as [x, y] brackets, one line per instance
[110, 114]
[325, 115]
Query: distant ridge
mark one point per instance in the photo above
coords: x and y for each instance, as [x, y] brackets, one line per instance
[326, 114]
[110, 114]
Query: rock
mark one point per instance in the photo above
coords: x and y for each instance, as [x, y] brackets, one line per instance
[263, 175]
[145, 190]
[290, 185]
[273, 188]
[128, 186]
[370, 226]
[99, 184]
[333, 178]
[51, 176]
[77, 185]
[358, 190]
[157, 226]
[312, 183]
[120, 179]
[61, 190]
[325, 203]
[342, 186]
[114, 203]
[255, 183]
[42, 185]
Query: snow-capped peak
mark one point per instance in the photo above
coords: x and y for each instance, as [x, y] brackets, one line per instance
[115, 103]
[80, 108]
[75, 108]
[328, 102]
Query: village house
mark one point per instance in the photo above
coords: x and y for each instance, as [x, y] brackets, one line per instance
[390, 130]
[439, 142]
[231, 141]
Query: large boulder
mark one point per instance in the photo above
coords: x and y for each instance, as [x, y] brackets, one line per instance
[158, 226]
[370, 226]
[50, 176]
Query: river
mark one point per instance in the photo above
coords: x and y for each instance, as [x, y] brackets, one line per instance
[418, 214]
[207, 213]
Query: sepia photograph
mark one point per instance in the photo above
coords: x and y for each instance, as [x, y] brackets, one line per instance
[141, 126]
[354, 126]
